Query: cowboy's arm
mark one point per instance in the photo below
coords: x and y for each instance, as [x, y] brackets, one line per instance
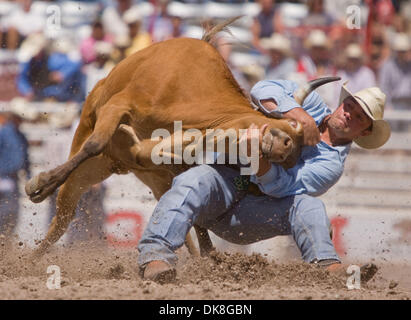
[277, 96]
[313, 178]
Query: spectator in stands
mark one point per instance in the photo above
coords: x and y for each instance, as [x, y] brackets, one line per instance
[101, 67]
[282, 65]
[395, 75]
[12, 159]
[384, 11]
[317, 63]
[355, 72]
[87, 47]
[121, 44]
[20, 24]
[379, 48]
[49, 73]
[160, 25]
[20, 112]
[266, 23]
[253, 73]
[317, 16]
[112, 18]
[140, 39]
[178, 27]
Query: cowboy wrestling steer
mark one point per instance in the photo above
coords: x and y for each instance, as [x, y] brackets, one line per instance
[179, 79]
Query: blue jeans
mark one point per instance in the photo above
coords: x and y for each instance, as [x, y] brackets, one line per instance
[209, 196]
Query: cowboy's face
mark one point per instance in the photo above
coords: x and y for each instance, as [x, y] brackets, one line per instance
[350, 121]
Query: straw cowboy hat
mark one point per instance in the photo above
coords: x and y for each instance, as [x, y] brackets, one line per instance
[103, 48]
[23, 109]
[277, 42]
[132, 16]
[30, 47]
[317, 38]
[401, 42]
[354, 51]
[63, 118]
[372, 101]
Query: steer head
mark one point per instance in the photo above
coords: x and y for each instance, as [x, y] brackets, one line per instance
[283, 138]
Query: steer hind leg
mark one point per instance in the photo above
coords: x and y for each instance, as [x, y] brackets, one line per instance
[90, 172]
[204, 241]
[108, 120]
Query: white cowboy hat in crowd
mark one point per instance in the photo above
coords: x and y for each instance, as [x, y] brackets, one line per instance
[23, 109]
[30, 47]
[401, 42]
[132, 15]
[372, 101]
[354, 51]
[62, 45]
[122, 41]
[317, 38]
[103, 47]
[277, 42]
[63, 118]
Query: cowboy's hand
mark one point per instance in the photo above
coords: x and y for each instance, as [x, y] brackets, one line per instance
[311, 132]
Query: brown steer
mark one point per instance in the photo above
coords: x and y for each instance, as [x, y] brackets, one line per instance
[179, 79]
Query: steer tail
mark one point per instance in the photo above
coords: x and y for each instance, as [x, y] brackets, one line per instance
[209, 35]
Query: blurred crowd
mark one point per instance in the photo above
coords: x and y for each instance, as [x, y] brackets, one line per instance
[367, 47]
[297, 40]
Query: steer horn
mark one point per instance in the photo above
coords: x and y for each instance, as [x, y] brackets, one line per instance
[303, 91]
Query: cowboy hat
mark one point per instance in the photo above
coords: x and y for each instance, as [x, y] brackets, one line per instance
[354, 51]
[132, 16]
[23, 109]
[32, 46]
[103, 48]
[372, 101]
[63, 118]
[317, 38]
[277, 42]
[401, 42]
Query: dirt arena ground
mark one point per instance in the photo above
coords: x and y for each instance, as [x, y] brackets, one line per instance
[91, 273]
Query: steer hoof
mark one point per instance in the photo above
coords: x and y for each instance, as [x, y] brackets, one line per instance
[40, 187]
[368, 271]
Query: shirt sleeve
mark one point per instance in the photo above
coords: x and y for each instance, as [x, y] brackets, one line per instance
[279, 90]
[282, 91]
[312, 178]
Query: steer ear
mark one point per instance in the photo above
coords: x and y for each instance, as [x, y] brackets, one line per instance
[303, 91]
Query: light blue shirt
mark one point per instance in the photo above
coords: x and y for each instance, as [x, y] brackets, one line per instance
[318, 167]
